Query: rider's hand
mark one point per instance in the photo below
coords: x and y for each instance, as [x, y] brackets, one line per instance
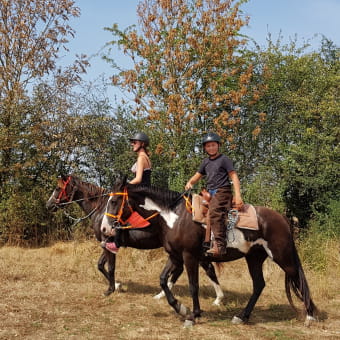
[188, 186]
[237, 204]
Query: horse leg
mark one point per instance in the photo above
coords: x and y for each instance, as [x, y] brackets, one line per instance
[191, 264]
[255, 261]
[110, 259]
[211, 273]
[174, 275]
[169, 268]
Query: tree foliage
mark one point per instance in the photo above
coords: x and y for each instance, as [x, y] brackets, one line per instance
[189, 74]
[299, 139]
[32, 33]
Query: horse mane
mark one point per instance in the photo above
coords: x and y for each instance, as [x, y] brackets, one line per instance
[92, 190]
[166, 199]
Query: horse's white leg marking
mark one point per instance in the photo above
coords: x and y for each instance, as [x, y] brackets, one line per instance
[183, 310]
[219, 293]
[162, 294]
[169, 216]
[309, 320]
[236, 320]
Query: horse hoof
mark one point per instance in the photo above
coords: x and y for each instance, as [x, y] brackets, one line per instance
[117, 285]
[159, 295]
[217, 302]
[309, 320]
[188, 323]
[236, 320]
[108, 292]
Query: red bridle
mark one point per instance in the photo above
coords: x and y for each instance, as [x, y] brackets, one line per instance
[63, 190]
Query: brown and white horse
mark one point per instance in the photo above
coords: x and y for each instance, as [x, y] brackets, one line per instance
[93, 201]
[183, 239]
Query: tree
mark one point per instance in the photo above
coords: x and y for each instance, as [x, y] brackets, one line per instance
[32, 34]
[189, 74]
[299, 141]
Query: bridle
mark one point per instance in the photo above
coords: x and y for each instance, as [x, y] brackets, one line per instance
[125, 199]
[63, 192]
[69, 200]
[119, 222]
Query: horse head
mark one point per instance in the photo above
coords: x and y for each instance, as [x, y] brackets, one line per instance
[63, 193]
[117, 208]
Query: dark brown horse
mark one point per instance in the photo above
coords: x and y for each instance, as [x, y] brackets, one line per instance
[182, 239]
[93, 201]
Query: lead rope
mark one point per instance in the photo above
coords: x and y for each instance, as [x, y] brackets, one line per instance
[79, 219]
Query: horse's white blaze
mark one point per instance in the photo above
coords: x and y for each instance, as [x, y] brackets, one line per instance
[51, 197]
[105, 227]
[169, 216]
[236, 240]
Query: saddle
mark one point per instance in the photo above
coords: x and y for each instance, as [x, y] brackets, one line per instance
[246, 218]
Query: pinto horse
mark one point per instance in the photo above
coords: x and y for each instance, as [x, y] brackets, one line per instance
[183, 239]
[93, 201]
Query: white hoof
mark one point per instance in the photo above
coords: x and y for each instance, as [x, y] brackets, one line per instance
[159, 296]
[309, 320]
[188, 324]
[117, 285]
[236, 320]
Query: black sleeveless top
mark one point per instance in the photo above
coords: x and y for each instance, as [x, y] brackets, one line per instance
[146, 178]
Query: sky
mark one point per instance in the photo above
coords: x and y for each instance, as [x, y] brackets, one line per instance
[303, 18]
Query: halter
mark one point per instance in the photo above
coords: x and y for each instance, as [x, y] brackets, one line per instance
[125, 200]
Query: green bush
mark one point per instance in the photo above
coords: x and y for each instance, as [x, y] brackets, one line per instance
[316, 242]
[264, 191]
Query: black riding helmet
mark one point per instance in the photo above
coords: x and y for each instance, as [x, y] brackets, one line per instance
[140, 136]
[211, 137]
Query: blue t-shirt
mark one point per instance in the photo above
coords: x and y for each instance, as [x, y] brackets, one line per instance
[216, 171]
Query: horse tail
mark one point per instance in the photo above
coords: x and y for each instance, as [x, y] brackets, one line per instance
[298, 283]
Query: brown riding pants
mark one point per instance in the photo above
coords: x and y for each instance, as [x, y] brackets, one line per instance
[219, 205]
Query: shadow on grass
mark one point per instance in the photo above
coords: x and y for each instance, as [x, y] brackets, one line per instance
[233, 304]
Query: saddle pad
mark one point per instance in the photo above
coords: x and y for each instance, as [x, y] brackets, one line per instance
[247, 218]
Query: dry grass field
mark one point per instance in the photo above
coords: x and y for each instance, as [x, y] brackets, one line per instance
[57, 293]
